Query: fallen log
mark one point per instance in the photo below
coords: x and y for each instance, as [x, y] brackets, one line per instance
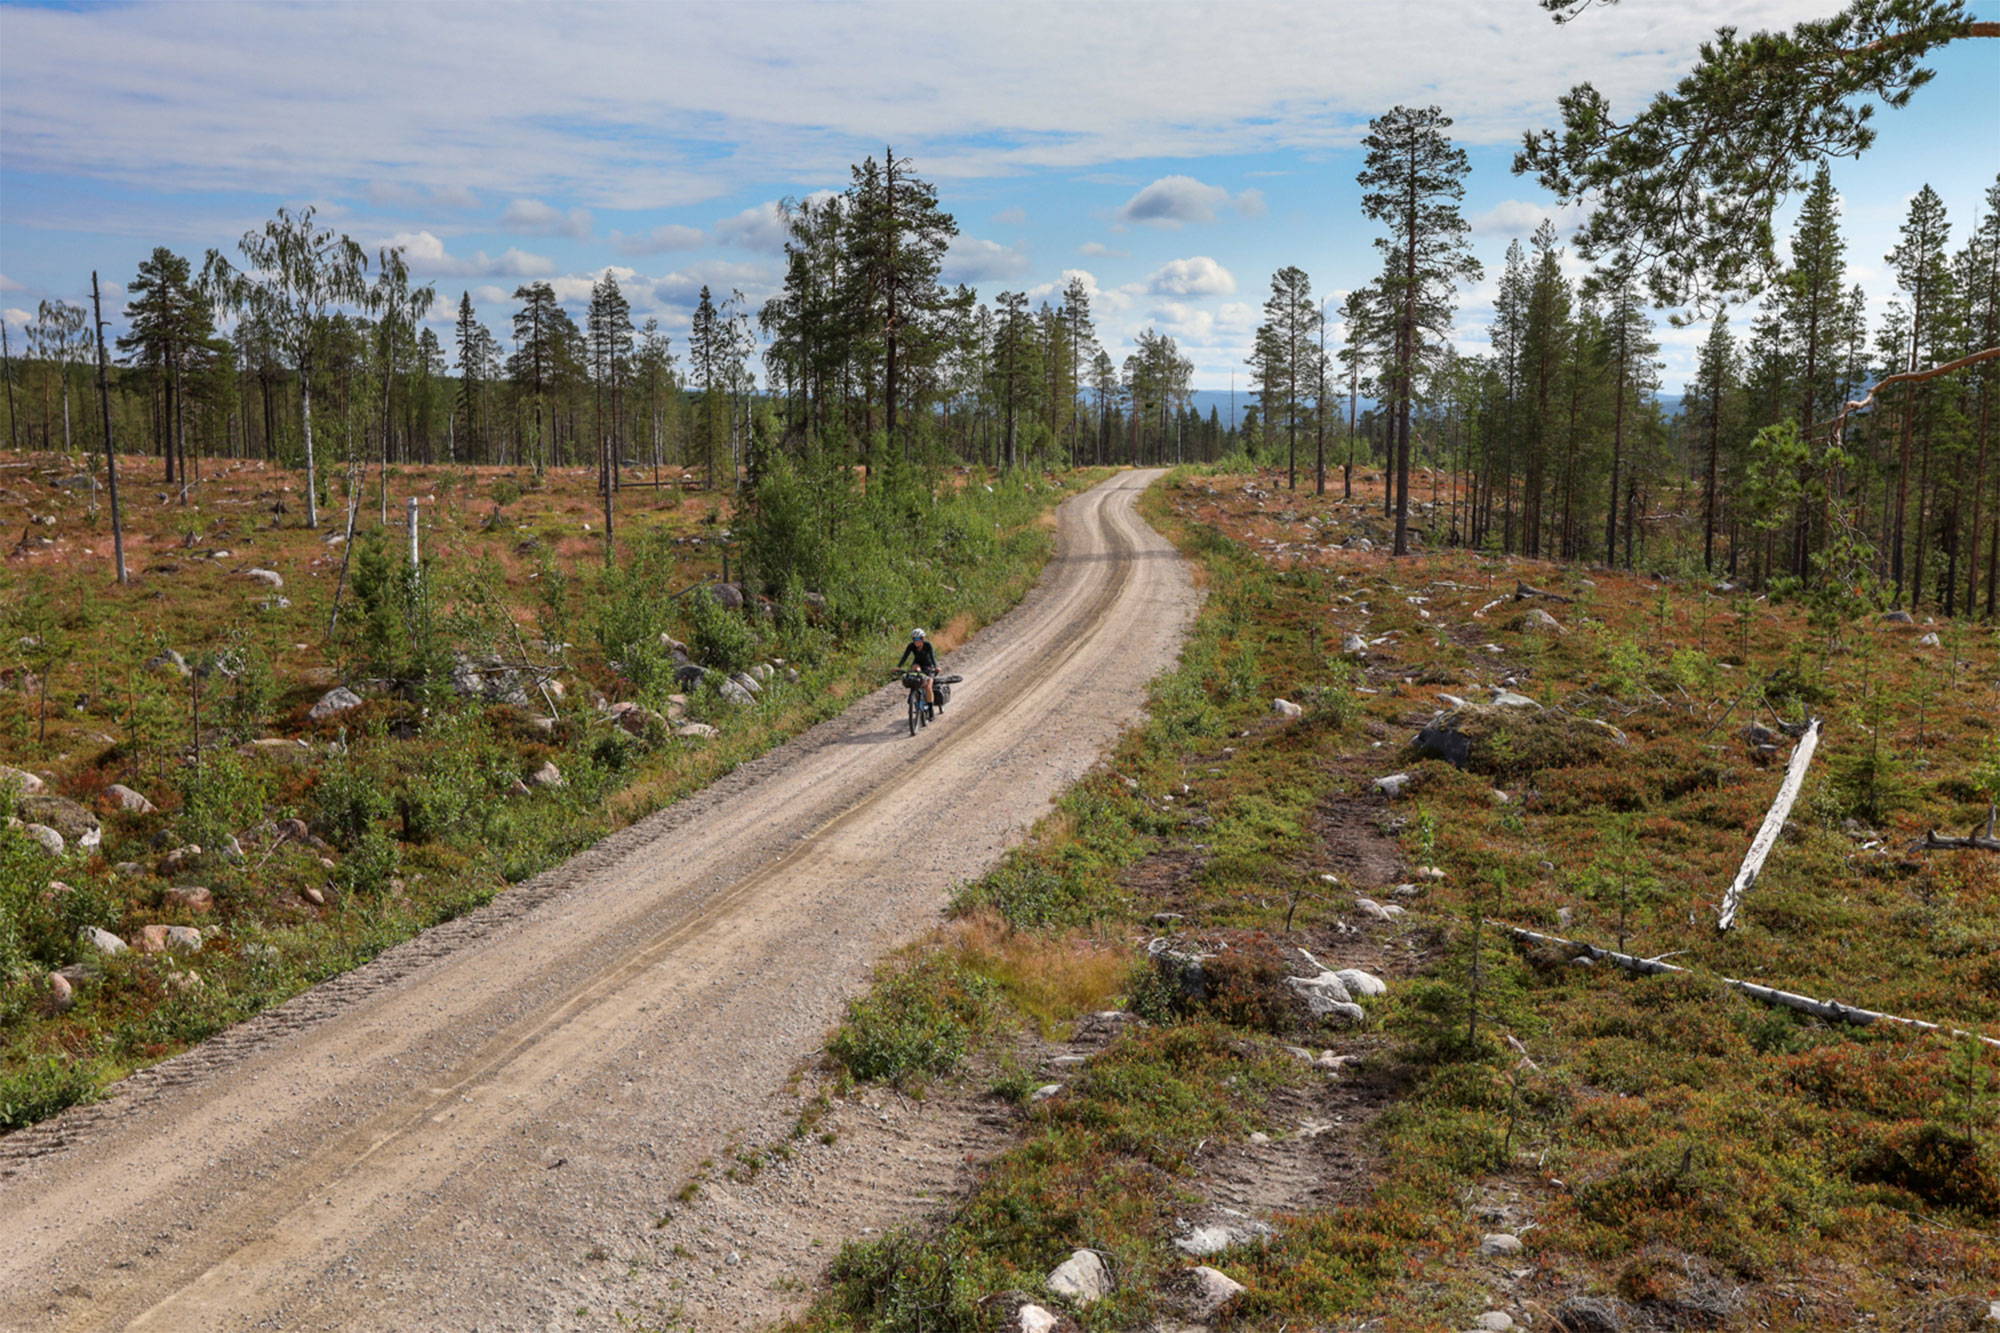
[1774, 824]
[1523, 591]
[1832, 1011]
[1977, 840]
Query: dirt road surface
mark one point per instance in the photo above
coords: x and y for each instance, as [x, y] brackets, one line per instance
[481, 1128]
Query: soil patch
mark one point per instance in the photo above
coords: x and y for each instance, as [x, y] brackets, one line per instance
[1354, 842]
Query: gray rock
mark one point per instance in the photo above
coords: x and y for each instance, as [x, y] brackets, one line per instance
[1392, 785]
[49, 840]
[77, 825]
[687, 675]
[733, 693]
[1509, 699]
[727, 595]
[121, 797]
[548, 775]
[62, 995]
[1320, 993]
[1216, 1237]
[1928, 641]
[763, 671]
[192, 898]
[160, 938]
[791, 676]
[1593, 1314]
[1898, 618]
[1033, 1319]
[270, 578]
[1082, 1277]
[695, 731]
[1535, 621]
[1213, 1290]
[748, 681]
[1046, 1091]
[1361, 983]
[499, 681]
[1181, 969]
[336, 700]
[1375, 911]
[279, 749]
[168, 663]
[1286, 708]
[1499, 1243]
[180, 858]
[21, 780]
[1354, 645]
[1495, 1321]
[101, 940]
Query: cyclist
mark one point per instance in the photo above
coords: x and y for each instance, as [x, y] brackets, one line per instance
[924, 657]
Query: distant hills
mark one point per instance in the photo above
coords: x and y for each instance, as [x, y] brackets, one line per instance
[1219, 399]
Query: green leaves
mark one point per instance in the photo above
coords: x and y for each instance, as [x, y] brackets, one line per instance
[1684, 191]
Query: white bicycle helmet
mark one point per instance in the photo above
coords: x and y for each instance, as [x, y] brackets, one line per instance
[916, 634]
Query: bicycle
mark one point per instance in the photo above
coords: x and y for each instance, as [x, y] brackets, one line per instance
[921, 711]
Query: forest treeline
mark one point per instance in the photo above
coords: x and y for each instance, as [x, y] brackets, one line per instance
[299, 347]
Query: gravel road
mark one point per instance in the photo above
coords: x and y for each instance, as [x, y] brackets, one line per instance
[479, 1129]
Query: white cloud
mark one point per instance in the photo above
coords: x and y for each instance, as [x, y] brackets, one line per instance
[660, 240]
[973, 260]
[536, 218]
[1519, 218]
[759, 227]
[720, 276]
[1098, 249]
[1198, 276]
[1171, 201]
[403, 194]
[7, 284]
[427, 257]
[1103, 300]
[1011, 217]
[634, 106]
[16, 316]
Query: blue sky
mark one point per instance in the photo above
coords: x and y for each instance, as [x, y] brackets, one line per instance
[1174, 153]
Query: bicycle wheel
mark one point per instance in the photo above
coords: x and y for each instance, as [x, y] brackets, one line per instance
[916, 710]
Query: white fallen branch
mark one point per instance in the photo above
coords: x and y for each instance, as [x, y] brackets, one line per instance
[1831, 1010]
[1774, 824]
[1976, 840]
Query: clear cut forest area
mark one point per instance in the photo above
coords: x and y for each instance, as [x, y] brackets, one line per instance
[319, 626]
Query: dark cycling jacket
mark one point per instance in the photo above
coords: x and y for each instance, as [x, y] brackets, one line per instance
[925, 655]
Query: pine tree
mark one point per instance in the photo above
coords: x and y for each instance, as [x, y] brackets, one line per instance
[1413, 179]
[1631, 351]
[1546, 338]
[1919, 263]
[1685, 189]
[1082, 342]
[1285, 359]
[1709, 408]
[169, 320]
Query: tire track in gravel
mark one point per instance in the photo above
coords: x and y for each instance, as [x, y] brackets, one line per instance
[442, 1137]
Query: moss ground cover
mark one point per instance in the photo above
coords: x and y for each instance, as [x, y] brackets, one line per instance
[1666, 1148]
[410, 806]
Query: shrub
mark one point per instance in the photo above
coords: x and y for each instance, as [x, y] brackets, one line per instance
[219, 796]
[39, 1088]
[720, 637]
[904, 1283]
[1940, 1165]
[915, 1025]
